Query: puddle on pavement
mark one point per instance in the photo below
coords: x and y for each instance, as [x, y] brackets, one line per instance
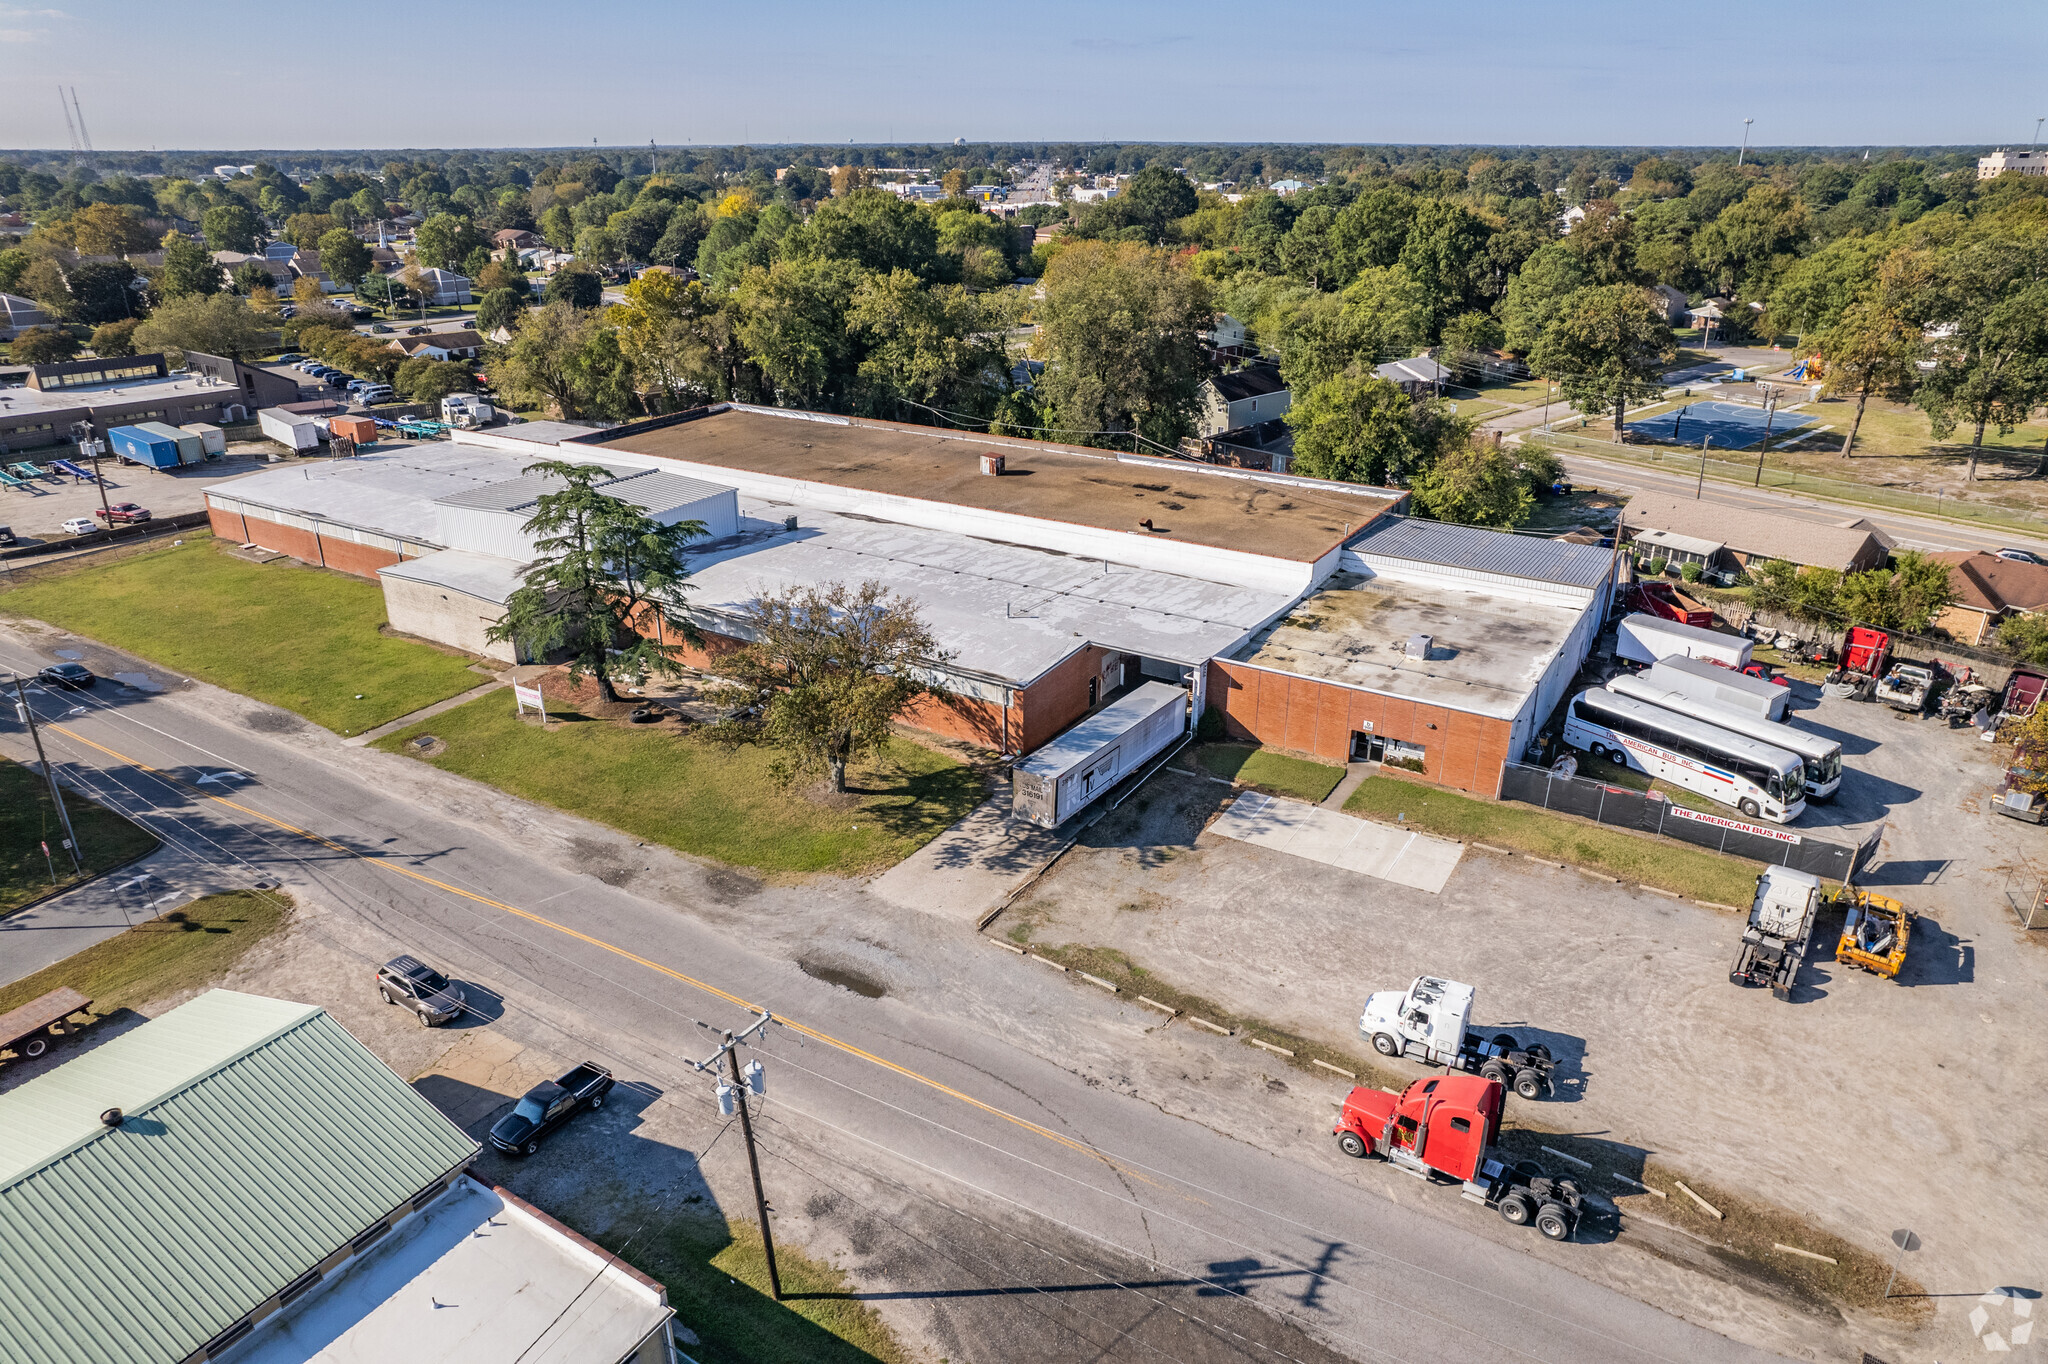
[139, 682]
[865, 986]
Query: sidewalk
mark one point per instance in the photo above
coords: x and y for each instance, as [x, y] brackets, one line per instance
[427, 712]
[1402, 856]
[966, 870]
[46, 933]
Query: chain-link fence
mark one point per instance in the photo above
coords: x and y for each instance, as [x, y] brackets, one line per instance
[1652, 813]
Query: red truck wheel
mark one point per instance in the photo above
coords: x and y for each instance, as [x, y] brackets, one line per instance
[1353, 1145]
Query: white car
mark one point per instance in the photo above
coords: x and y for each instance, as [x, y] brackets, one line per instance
[80, 525]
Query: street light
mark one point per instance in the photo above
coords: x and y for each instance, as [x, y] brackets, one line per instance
[1745, 143]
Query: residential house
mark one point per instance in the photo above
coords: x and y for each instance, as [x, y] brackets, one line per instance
[1989, 591]
[1288, 186]
[280, 250]
[452, 345]
[240, 1179]
[1242, 397]
[17, 315]
[1724, 539]
[445, 287]
[1669, 303]
[1418, 377]
[279, 268]
[306, 265]
[515, 239]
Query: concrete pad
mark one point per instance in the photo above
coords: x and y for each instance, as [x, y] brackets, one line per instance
[1403, 856]
[963, 872]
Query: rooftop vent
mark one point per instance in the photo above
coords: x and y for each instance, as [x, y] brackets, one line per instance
[113, 1117]
[991, 463]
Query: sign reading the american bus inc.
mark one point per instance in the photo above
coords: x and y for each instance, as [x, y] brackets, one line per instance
[1761, 831]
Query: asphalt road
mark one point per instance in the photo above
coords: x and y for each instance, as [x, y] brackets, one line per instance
[1273, 1257]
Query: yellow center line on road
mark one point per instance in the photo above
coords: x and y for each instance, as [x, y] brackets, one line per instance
[826, 1038]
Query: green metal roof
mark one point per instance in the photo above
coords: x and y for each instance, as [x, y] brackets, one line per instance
[259, 1138]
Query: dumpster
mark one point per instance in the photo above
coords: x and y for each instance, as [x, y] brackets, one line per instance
[211, 438]
[191, 448]
[139, 445]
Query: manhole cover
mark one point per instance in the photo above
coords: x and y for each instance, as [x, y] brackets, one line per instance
[424, 741]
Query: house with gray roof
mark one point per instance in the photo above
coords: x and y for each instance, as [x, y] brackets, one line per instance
[1720, 537]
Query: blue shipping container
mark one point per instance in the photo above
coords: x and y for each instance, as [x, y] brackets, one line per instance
[144, 447]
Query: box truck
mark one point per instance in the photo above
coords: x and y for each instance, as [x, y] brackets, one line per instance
[1052, 785]
[289, 429]
[1646, 639]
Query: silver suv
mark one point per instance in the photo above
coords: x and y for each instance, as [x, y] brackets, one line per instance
[418, 986]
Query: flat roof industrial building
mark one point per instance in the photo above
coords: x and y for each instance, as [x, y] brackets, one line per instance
[1044, 584]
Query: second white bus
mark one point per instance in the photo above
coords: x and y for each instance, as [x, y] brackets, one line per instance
[1759, 779]
[1823, 757]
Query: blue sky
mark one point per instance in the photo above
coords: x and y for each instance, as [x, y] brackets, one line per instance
[373, 73]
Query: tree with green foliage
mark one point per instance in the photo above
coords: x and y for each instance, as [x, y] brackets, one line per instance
[559, 228]
[445, 240]
[1606, 347]
[1907, 596]
[105, 291]
[2025, 636]
[252, 275]
[499, 308]
[562, 355]
[13, 261]
[1444, 246]
[422, 380]
[1870, 349]
[43, 346]
[1537, 292]
[825, 673]
[1475, 485]
[188, 268]
[680, 338]
[1355, 428]
[872, 228]
[1992, 370]
[217, 324]
[230, 227]
[368, 204]
[606, 586]
[927, 346]
[345, 259]
[115, 338]
[793, 325]
[577, 285]
[1119, 329]
[1750, 244]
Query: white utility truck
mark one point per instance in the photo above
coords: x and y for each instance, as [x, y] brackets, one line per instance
[1430, 1021]
[1780, 922]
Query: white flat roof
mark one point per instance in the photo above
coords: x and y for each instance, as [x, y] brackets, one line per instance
[483, 576]
[393, 493]
[473, 1278]
[26, 399]
[1007, 611]
[1488, 650]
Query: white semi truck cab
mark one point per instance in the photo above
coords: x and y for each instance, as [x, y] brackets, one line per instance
[1430, 1021]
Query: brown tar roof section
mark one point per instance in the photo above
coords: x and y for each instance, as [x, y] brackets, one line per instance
[1184, 502]
[1986, 582]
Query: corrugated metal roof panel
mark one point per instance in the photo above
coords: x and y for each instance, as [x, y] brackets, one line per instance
[512, 493]
[657, 490]
[1487, 551]
[260, 1137]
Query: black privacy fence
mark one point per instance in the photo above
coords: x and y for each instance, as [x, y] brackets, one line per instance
[1650, 813]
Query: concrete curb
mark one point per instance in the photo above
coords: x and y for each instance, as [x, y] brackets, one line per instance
[1715, 904]
[1216, 1028]
[1349, 1075]
[1166, 1009]
[1009, 947]
[1098, 980]
[1268, 1046]
[1597, 875]
[1644, 1187]
[1488, 847]
[1049, 962]
[1667, 894]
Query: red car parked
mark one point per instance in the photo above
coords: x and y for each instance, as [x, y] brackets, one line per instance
[122, 513]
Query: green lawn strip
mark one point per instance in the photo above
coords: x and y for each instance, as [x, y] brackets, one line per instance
[28, 819]
[302, 638]
[1691, 872]
[181, 950]
[698, 798]
[1274, 773]
[1747, 1229]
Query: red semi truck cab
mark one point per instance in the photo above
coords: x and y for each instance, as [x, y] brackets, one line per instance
[1447, 1126]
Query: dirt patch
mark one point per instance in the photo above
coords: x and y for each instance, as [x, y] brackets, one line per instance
[274, 722]
[608, 862]
[845, 977]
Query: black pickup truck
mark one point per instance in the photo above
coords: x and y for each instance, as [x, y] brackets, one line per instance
[547, 1106]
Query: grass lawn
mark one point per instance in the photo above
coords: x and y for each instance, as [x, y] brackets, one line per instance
[1271, 772]
[1691, 872]
[185, 948]
[28, 819]
[301, 638]
[700, 799]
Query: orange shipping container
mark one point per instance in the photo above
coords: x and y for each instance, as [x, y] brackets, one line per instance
[361, 430]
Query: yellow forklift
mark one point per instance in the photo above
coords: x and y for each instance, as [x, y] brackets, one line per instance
[1875, 929]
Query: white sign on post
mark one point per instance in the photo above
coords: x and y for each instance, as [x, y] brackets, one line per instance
[529, 696]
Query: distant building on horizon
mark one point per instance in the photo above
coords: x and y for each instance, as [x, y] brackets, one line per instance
[2029, 162]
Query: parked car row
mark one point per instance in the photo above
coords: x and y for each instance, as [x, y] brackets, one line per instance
[365, 391]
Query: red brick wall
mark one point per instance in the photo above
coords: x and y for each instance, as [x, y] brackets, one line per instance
[1316, 718]
[228, 525]
[350, 557]
[1060, 697]
[345, 556]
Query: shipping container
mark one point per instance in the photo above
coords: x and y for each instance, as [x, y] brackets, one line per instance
[191, 449]
[361, 430]
[139, 445]
[1053, 784]
[1646, 639]
[1719, 686]
[289, 429]
[211, 438]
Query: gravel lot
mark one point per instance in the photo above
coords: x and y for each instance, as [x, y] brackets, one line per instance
[1863, 1104]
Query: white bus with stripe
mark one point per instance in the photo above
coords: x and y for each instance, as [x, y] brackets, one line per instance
[1762, 781]
[1823, 757]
